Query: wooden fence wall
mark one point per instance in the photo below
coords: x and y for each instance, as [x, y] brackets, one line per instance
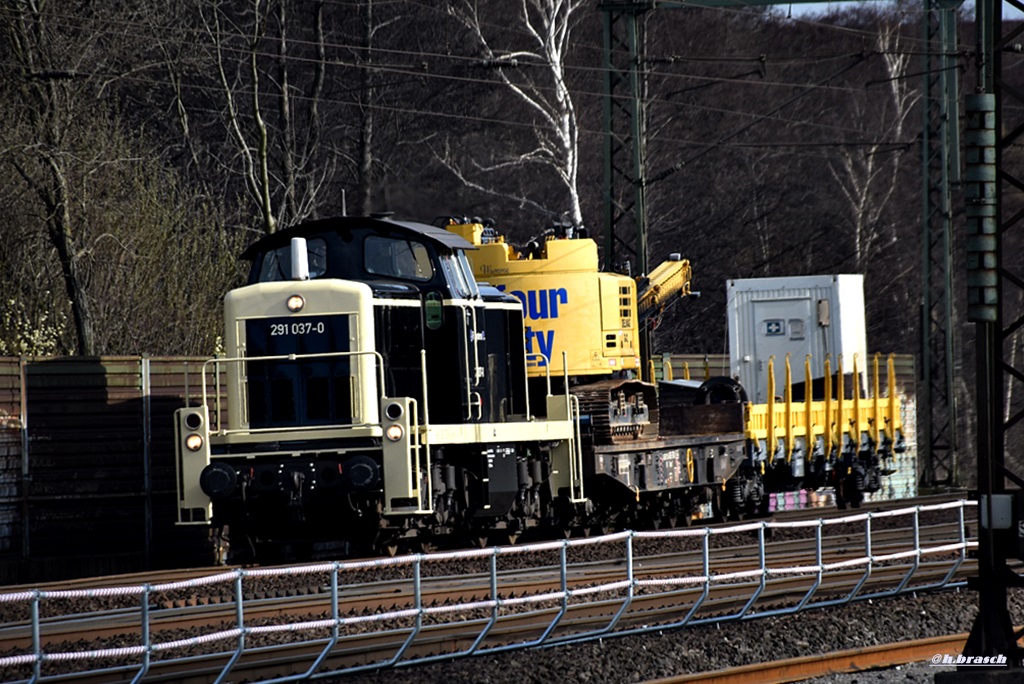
[87, 482]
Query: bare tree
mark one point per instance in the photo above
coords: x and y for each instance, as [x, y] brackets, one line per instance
[274, 144]
[535, 74]
[867, 175]
[104, 250]
[48, 78]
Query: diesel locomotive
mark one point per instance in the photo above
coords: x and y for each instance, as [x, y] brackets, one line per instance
[391, 384]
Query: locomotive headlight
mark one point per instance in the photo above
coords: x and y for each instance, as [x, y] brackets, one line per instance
[394, 432]
[295, 303]
[393, 411]
[194, 442]
[193, 421]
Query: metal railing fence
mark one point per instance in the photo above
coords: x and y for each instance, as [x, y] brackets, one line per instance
[913, 552]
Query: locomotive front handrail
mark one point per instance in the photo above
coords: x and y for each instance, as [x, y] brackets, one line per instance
[547, 374]
[222, 431]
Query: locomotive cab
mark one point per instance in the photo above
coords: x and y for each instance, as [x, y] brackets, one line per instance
[424, 298]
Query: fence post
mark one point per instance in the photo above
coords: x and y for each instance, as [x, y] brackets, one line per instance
[25, 472]
[147, 438]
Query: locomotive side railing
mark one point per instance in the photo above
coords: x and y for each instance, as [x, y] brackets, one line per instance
[947, 554]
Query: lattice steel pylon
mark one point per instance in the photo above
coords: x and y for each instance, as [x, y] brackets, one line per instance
[625, 205]
[941, 168]
[625, 184]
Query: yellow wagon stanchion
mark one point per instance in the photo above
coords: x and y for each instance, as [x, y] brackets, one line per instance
[835, 437]
[810, 439]
[789, 412]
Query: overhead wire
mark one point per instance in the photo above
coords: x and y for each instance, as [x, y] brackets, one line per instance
[416, 57]
[419, 73]
[162, 32]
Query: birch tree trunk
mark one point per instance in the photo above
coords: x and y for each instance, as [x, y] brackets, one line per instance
[867, 174]
[547, 25]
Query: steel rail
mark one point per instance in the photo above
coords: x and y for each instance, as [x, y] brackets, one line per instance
[805, 667]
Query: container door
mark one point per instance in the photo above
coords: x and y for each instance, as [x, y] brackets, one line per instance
[781, 326]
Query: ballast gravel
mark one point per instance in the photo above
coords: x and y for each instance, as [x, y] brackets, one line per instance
[709, 647]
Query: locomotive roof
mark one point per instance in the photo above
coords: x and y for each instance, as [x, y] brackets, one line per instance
[422, 230]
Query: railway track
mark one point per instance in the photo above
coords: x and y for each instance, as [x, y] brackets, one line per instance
[359, 619]
[282, 659]
[850, 660]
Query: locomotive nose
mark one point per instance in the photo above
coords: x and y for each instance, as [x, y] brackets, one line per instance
[218, 480]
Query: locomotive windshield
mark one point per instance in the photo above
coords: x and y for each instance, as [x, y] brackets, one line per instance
[397, 258]
[277, 263]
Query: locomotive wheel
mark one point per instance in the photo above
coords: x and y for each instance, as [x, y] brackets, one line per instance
[386, 546]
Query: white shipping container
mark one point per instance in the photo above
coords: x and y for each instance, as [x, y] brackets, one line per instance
[816, 315]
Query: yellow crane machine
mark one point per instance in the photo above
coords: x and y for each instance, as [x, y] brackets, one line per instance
[571, 308]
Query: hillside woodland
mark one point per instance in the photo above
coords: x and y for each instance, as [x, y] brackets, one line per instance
[145, 144]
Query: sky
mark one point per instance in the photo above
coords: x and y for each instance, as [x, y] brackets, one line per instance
[1009, 11]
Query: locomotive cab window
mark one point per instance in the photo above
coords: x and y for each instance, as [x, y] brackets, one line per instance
[397, 258]
[277, 263]
[458, 273]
